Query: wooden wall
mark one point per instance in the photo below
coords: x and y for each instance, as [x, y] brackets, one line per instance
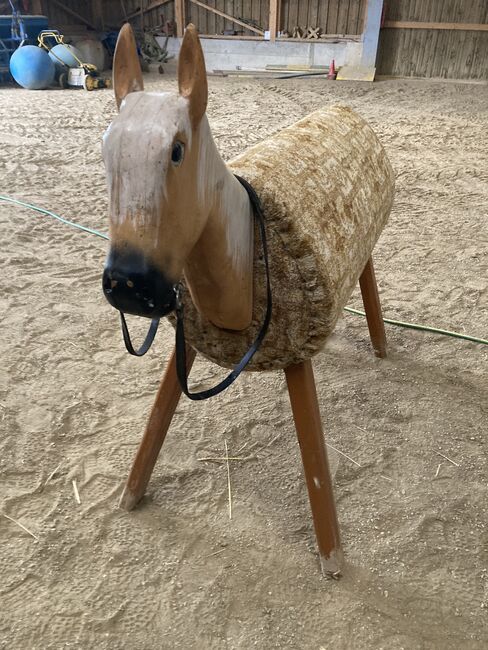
[331, 16]
[152, 18]
[446, 53]
[447, 11]
[59, 17]
[254, 11]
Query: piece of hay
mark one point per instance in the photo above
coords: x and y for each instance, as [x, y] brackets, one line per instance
[21, 526]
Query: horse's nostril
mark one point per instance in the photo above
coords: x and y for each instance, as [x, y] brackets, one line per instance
[134, 286]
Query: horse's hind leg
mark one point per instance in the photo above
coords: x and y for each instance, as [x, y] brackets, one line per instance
[161, 415]
[372, 307]
[305, 407]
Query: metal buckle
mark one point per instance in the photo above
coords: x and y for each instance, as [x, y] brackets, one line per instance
[178, 289]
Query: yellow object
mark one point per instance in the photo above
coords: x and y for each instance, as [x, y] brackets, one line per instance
[355, 73]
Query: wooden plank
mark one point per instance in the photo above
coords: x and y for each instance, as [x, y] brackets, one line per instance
[323, 15]
[479, 60]
[76, 15]
[240, 37]
[313, 13]
[292, 15]
[303, 15]
[362, 16]
[180, 17]
[153, 5]
[36, 7]
[353, 17]
[332, 17]
[342, 16]
[260, 12]
[210, 19]
[226, 16]
[97, 14]
[201, 18]
[465, 27]
[328, 38]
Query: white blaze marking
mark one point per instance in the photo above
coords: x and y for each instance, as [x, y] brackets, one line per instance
[137, 150]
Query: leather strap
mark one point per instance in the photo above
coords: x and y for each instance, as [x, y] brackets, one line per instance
[148, 341]
[180, 329]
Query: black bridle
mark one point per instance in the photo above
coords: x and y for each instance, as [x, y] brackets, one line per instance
[180, 328]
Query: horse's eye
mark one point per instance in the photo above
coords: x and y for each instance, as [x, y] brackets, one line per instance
[177, 153]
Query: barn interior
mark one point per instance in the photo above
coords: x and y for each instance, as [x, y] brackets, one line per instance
[221, 552]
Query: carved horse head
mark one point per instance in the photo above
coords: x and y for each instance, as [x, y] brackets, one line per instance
[174, 207]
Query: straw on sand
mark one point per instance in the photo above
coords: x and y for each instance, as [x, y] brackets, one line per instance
[21, 526]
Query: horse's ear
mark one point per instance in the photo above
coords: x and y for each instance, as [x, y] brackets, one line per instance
[127, 73]
[192, 77]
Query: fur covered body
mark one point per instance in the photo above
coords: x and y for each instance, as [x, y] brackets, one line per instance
[326, 187]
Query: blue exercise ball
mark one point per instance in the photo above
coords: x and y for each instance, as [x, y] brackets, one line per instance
[65, 54]
[32, 68]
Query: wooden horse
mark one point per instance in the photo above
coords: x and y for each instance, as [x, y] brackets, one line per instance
[178, 214]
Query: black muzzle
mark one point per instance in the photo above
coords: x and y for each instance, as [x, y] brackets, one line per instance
[134, 286]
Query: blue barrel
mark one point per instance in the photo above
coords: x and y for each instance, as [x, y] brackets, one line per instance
[32, 68]
[64, 55]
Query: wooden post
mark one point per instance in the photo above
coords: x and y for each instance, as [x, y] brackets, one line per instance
[274, 18]
[305, 407]
[180, 17]
[158, 424]
[372, 307]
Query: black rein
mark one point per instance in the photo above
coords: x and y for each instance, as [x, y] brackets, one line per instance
[180, 329]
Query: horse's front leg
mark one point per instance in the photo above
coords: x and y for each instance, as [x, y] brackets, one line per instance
[158, 424]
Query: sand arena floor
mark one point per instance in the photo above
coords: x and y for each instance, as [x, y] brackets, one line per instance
[177, 573]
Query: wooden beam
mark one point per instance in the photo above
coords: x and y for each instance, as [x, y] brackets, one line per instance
[329, 38]
[180, 17]
[241, 37]
[227, 16]
[274, 12]
[97, 14]
[74, 14]
[153, 5]
[407, 24]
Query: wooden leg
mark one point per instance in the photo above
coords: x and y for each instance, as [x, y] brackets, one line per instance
[161, 415]
[372, 307]
[304, 404]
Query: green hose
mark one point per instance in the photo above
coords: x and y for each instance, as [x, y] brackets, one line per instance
[398, 323]
[54, 216]
[422, 328]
